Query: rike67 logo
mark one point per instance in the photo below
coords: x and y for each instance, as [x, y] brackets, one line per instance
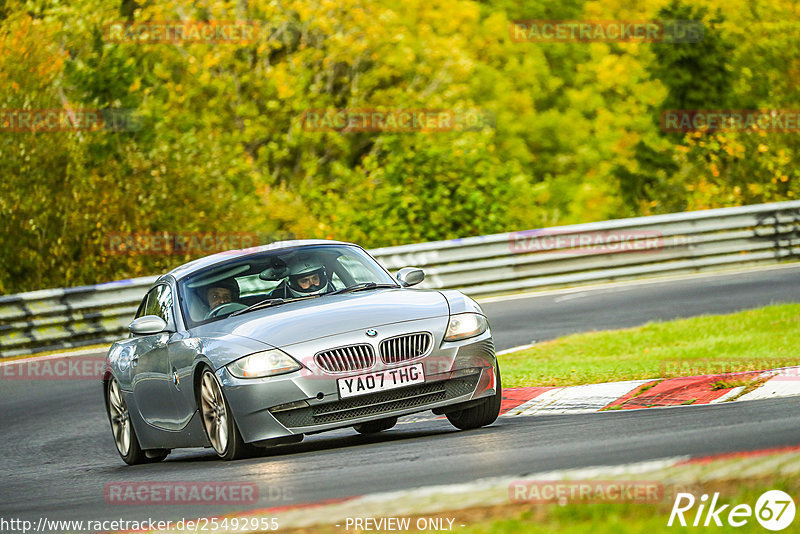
[774, 511]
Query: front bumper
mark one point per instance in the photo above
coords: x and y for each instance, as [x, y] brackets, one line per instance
[308, 401]
[395, 402]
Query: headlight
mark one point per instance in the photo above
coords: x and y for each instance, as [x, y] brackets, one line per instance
[465, 325]
[268, 363]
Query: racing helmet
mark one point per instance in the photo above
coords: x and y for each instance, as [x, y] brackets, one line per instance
[301, 270]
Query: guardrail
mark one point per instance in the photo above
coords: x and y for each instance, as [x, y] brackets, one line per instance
[493, 264]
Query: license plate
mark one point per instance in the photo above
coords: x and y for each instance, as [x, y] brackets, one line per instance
[381, 381]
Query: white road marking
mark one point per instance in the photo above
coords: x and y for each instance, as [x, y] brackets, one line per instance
[588, 473]
[515, 349]
[418, 418]
[729, 395]
[536, 401]
[778, 386]
[577, 399]
[573, 296]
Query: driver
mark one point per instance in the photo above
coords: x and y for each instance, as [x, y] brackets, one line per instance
[308, 277]
[222, 292]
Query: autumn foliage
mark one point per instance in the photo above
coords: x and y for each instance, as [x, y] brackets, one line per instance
[219, 143]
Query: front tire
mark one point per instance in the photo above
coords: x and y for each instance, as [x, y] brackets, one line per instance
[221, 429]
[483, 414]
[124, 434]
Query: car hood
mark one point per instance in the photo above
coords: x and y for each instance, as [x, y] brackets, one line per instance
[305, 320]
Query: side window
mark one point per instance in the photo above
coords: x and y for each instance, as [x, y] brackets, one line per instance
[159, 302]
[164, 302]
[142, 307]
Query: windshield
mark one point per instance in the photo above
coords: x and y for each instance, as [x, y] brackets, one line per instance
[284, 275]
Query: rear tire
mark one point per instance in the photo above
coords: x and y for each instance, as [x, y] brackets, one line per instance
[483, 414]
[122, 429]
[373, 427]
[221, 429]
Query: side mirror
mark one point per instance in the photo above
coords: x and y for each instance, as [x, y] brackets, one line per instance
[410, 276]
[149, 324]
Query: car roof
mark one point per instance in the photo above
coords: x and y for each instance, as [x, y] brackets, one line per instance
[201, 263]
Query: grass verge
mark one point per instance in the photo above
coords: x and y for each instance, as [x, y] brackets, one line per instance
[758, 339]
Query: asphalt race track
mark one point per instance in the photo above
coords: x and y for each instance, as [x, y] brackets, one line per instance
[58, 453]
[519, 321]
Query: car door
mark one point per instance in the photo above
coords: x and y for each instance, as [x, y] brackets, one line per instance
[182, 354]
[151, 370]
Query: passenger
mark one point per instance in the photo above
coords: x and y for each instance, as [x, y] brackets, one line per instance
[308, 277]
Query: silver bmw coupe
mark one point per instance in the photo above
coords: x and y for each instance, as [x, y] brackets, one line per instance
[258, 347]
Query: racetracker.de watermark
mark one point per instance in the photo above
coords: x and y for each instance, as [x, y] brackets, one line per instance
[603, 242]
[69, 120]
[570, 491]
[54, 368]
[179, 31]
[607, 31]
[180, 493]
[202, 524]
[396, 120]
[730, 120]
[186, 243]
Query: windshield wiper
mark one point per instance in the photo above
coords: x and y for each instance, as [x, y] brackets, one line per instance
[267, 303]
[360, 287]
